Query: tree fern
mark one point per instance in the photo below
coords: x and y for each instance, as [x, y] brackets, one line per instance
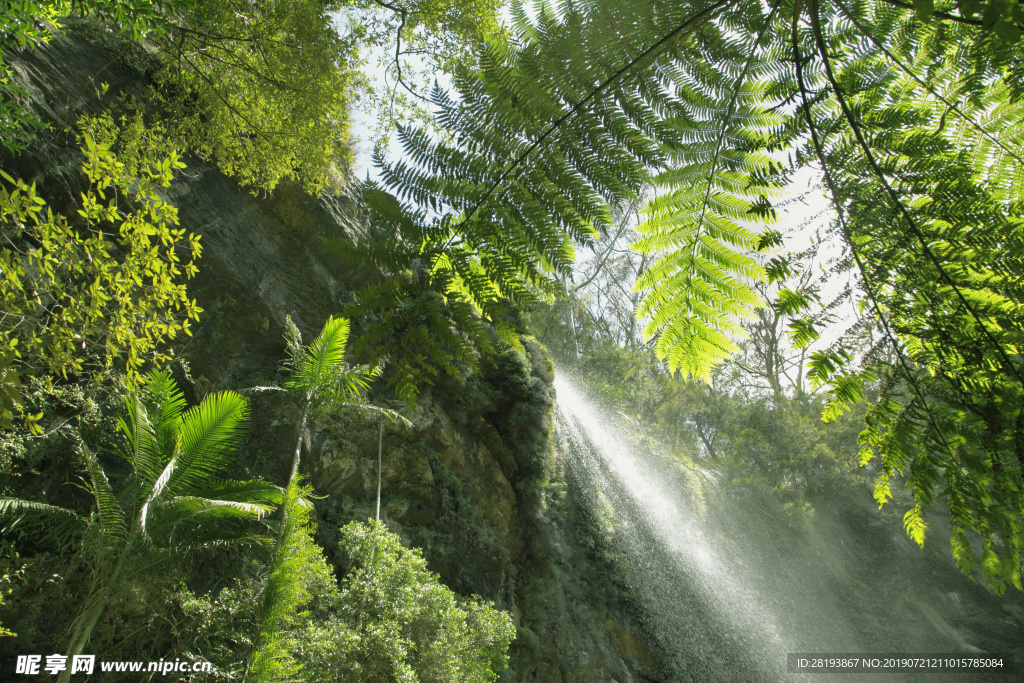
[912, 112]
[923, 190]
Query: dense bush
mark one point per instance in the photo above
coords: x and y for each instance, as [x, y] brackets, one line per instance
[409, 626]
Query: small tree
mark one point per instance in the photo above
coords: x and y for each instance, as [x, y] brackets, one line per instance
[287, 589]
[321, 382]
[411, 627]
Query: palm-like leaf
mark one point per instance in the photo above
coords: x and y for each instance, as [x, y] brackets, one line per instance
[175, 499]
[225, 508]
[142, 448]
[184, 519]
[371, 410]
[209, 435]
[321, 379]
[17, 508]
[165, 402]
[204, 442]
[110, 515]
[251, 491]
[325, 353]
[58, 523]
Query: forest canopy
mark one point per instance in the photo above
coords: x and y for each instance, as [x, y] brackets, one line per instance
[697, 114]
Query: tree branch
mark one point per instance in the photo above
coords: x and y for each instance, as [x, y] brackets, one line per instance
[597, 270]
[847, 233]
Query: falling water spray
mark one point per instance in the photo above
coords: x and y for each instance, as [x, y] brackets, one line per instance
[702, 601]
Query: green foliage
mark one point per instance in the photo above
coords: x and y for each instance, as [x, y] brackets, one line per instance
[26, 24]
[178, 456]
[340, 645]
[264, 88]
[417, 334]
[914, 524]
[261, 88]
[426, 316]
[388, 618]
[409, 626]
[476, 223]
[54, 412]
[911, 110]
[5, 632]
[173, 501]
[322, 382]
[10, 387]
[939, 256]
[446, 32]
[564, 122]
[219, 627]
[82, 297]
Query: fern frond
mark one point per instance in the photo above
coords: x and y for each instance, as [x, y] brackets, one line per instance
[213, 510]
[285, 590]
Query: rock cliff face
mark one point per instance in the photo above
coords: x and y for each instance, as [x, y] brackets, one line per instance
[476, 482]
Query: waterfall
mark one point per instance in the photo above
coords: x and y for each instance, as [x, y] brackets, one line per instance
[719, 605]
